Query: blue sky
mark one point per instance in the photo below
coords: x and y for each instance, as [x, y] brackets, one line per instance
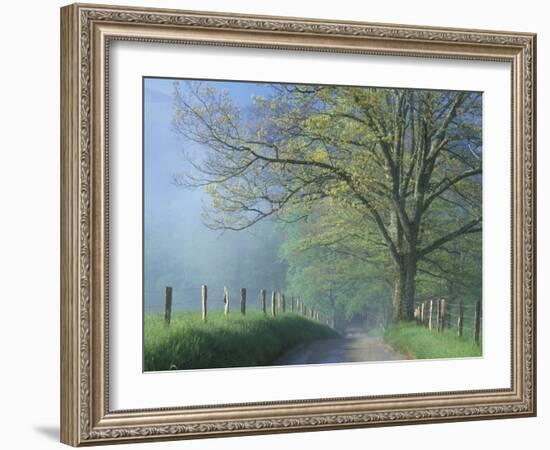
[162, 147]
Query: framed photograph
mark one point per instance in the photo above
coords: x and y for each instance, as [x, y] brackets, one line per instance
[274, 224]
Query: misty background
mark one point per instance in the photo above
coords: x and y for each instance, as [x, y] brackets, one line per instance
[178, 249]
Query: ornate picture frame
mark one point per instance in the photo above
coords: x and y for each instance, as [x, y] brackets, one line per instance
[87, 32]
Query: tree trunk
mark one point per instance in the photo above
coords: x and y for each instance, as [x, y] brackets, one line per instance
[411, 261]
[404, 287]
[399, 291]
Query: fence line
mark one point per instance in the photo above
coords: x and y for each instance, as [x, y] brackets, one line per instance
[438, 315]
[187, 297]
[278, 304]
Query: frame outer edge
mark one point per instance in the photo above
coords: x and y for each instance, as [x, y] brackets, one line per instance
[69, 113]
[534, 158]
[79, 425]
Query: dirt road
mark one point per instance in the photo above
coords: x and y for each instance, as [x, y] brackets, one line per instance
[355, 346]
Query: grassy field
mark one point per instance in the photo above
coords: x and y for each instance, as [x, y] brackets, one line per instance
[235, 341]
[417, 342]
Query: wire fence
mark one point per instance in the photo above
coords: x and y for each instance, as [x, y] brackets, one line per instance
[438, 315]
[207, 298]
[189, 298]
[443, 316]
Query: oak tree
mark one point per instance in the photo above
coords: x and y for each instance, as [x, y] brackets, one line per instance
[406, 162]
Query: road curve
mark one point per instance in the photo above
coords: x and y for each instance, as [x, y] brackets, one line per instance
[352, 348]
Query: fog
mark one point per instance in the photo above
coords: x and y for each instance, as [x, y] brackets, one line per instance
[179, 250]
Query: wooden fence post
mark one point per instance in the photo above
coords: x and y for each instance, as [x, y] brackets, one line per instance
[167, 305]
[427, 313]
[431, 312]
[477, 322]
[292, 304]
[448, 313]
[243, 300]
[422, 313]
[262, 300]
[283, 303]
[273, 303]
[225, 301]
[460, 319]
[204, 292]
[442, 314]
[437, 314]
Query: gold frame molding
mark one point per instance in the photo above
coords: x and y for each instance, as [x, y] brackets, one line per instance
[86, 31]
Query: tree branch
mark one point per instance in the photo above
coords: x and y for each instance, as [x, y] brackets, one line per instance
[449, 237]
[446, 183]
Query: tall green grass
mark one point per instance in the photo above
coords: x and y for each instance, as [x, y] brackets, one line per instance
[417, 342]
[239, 340]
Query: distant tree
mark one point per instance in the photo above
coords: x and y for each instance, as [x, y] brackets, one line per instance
[408, 162]
[336, 263]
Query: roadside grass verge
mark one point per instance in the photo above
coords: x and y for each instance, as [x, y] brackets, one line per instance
[254, 339]
[417, 342]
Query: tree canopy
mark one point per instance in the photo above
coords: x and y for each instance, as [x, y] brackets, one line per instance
[379, 188]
